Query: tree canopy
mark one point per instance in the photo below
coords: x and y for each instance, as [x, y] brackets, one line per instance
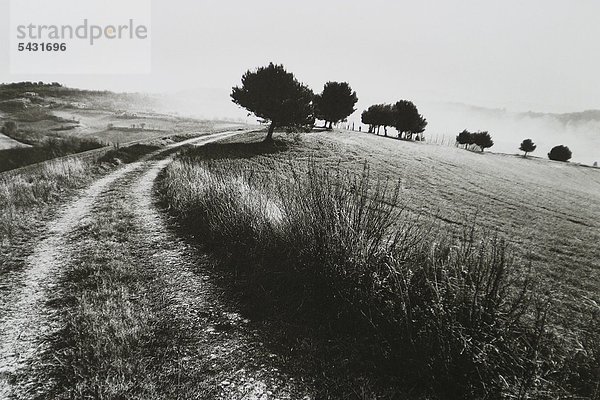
[465, 138]
[407, 120]
[560, 153]
[403, 116]
[483, 140]
[335, 103]
[273, 94]
[527, 146]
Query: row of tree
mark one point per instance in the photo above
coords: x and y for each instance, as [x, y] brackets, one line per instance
[481, 139]
[277, 97]
[404, 116]
[558, 153]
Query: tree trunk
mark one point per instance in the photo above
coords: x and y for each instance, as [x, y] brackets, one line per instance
[378, 127]
[269, 137]
[385, 130]
[330, 125]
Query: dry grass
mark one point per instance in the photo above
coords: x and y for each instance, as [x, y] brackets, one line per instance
[455, 314]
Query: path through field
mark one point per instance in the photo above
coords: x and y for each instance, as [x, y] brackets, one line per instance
[174, 335]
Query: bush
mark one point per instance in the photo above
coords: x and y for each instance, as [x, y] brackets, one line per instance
[560, 153]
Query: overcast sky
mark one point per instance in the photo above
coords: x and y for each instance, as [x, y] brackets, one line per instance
[541, 55]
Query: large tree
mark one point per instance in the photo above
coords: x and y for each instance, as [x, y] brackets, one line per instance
[407, 119]
[275, 95]
[335, 103]
[527, 146]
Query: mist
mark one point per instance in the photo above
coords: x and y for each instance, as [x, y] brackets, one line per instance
[578, 131]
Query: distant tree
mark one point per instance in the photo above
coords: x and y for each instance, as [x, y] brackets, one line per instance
[367, 118]
[378, 115]
[407, 120]
[483, 140]
[335, 103]
[10, 128]
[275, 95]
[465, 138]
[527, 146]
[560, 153]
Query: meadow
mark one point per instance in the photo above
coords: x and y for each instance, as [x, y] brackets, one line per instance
[400, 264]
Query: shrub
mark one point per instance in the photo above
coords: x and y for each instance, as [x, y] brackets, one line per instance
[560, 153]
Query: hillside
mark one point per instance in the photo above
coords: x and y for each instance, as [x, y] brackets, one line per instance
[54, 121]
[375, 259]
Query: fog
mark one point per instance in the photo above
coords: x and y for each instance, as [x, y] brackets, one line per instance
[578, 131]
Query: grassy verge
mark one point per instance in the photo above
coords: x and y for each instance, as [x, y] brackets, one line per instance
[333, 256]
[29, 199]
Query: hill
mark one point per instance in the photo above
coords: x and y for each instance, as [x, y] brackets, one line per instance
[378, 281]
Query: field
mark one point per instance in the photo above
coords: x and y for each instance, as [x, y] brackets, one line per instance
[54, 121]
[322, 265]
[302, 232]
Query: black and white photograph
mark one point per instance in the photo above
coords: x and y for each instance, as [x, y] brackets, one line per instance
[310, 200]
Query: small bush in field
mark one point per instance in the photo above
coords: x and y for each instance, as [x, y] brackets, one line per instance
[560, 153]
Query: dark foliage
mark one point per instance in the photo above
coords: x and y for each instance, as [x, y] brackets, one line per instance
[407, 119]
[274, 95]
[560, 153]
[335, 103]
[465, 138]
[378, 115]
[403, 115]
[527, 146]
[483, 140]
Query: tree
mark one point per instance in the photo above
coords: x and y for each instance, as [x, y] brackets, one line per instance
[407, 120]
[560, 153]
[483, 140]
[378, 115]
[465, 138]
[273, 94]
[10, 128]
[527, 146]
[335, 103]
[368, 118]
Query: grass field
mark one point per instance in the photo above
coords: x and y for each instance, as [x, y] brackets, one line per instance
[308, 238]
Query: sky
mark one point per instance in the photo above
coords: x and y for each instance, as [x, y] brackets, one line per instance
[515, 55]
[541, 55]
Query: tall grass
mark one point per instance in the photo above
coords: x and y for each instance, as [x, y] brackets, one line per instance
[21, 194]
[459, 318]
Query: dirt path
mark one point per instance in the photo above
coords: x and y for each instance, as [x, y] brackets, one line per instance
[212, 350]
